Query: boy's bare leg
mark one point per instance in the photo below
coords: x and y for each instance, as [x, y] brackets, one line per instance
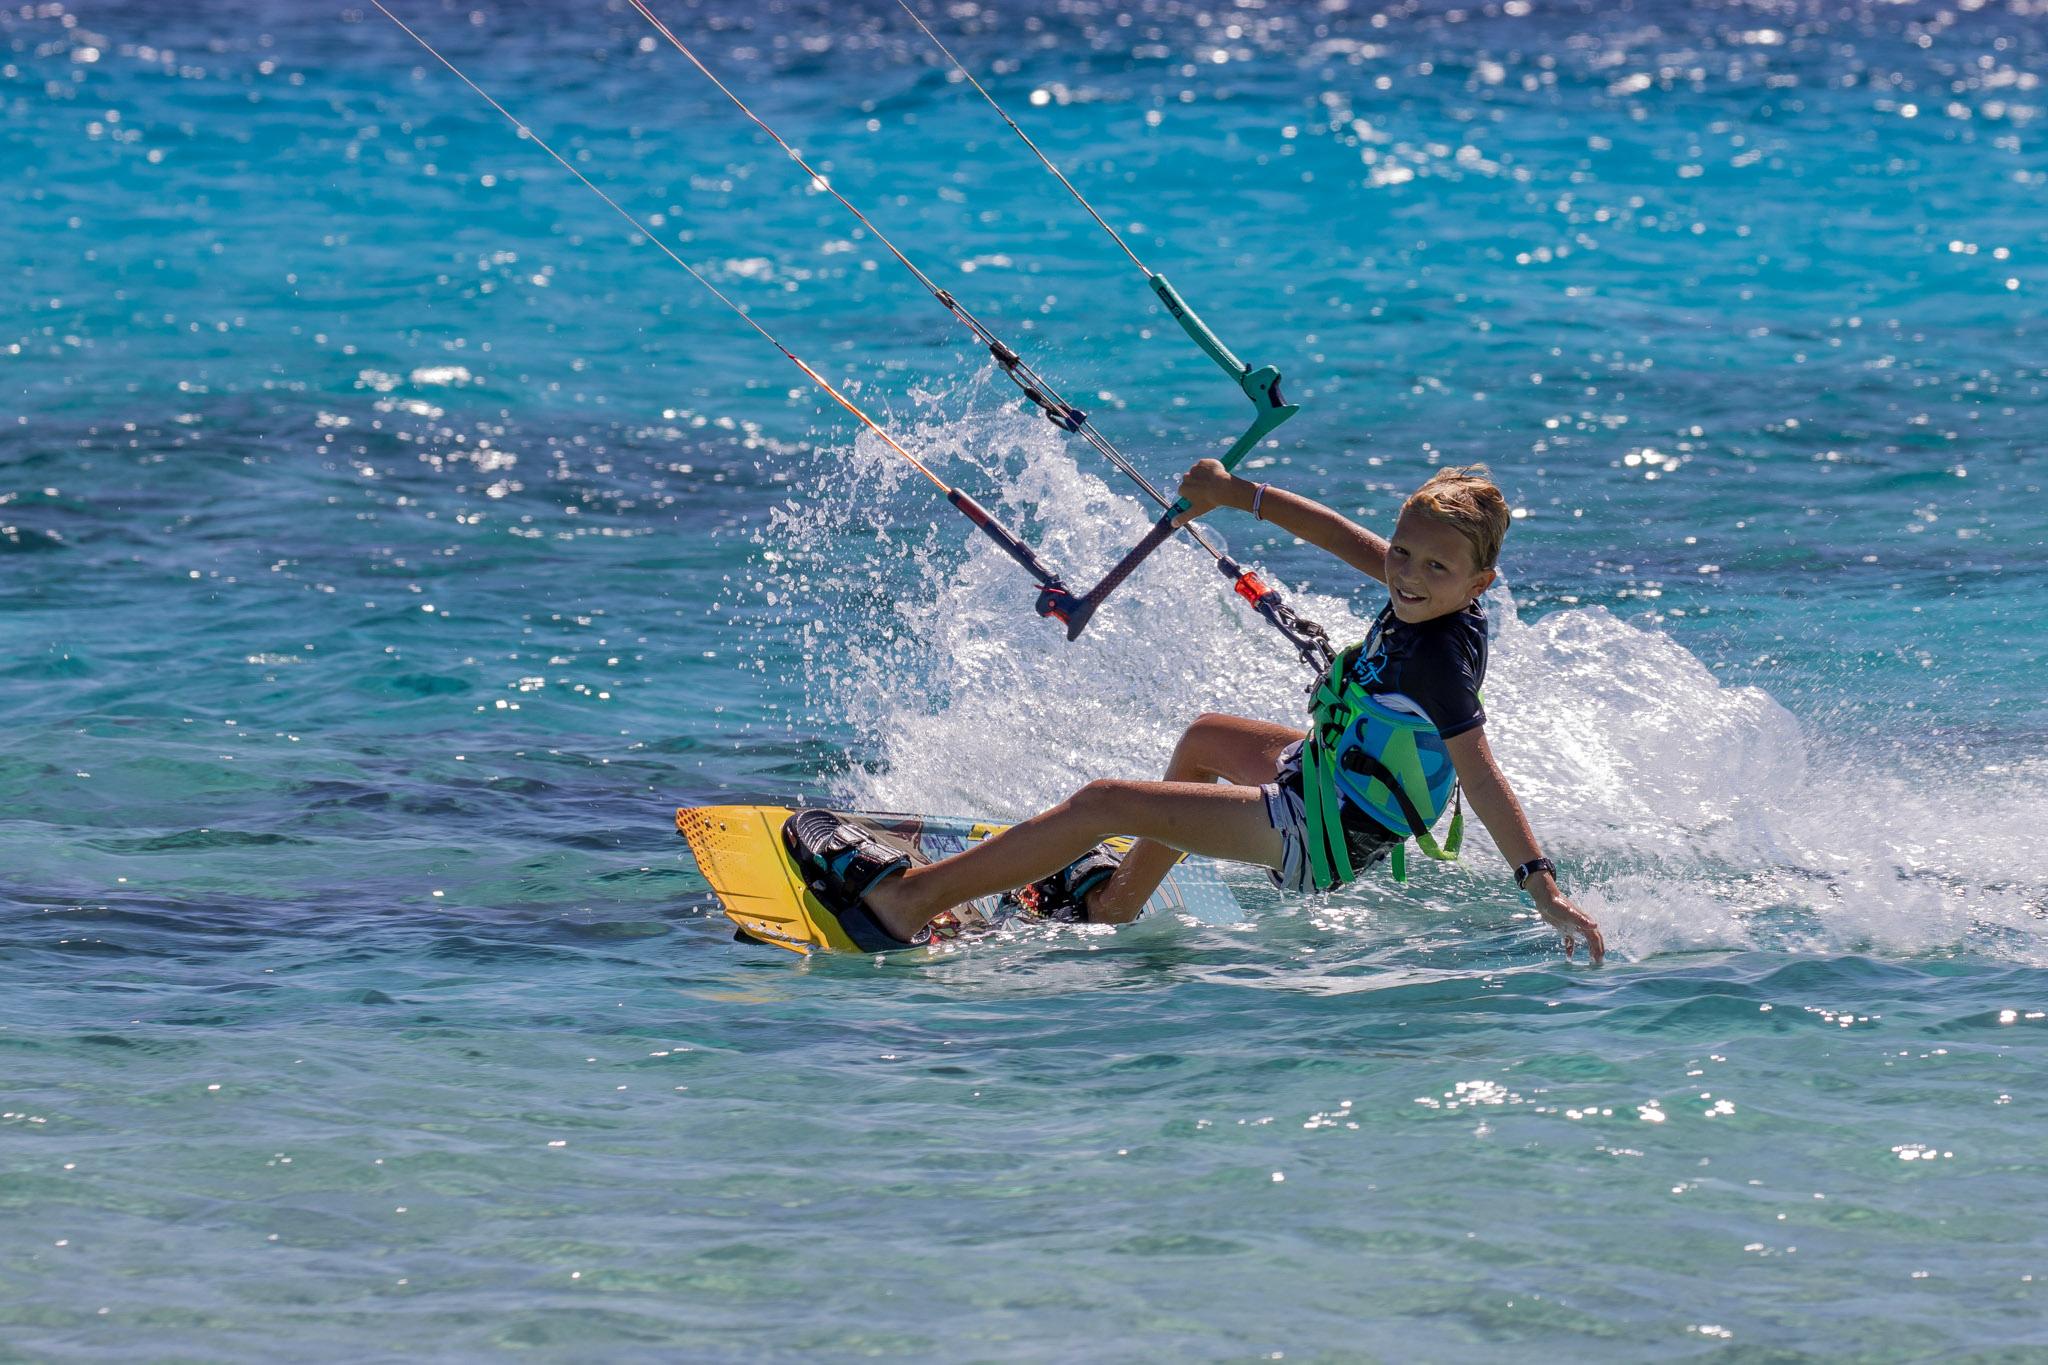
[1214, 748]
[1226, 822]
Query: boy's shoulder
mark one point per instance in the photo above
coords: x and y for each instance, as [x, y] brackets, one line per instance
[1462, 630]
[1456, 641]
[1440, 664]
[1466, 620]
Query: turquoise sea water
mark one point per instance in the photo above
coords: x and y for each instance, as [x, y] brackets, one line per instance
[388, 542]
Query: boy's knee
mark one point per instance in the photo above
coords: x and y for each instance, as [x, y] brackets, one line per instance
[1099, 798]
[1201, 729]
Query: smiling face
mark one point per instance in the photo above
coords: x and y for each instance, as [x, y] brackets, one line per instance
[1432, 569]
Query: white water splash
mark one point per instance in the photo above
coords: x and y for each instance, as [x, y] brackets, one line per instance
[1688, 813]
[1707, 817]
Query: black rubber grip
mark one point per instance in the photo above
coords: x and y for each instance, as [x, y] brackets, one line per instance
[1003, 536]
[1162, 530]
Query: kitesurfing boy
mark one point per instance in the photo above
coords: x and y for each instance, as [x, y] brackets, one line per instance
[1395, 728]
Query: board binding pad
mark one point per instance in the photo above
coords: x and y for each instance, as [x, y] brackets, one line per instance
[740, 852]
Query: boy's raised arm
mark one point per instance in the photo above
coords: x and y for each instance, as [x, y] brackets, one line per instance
[1209, 485]
[1486, 787]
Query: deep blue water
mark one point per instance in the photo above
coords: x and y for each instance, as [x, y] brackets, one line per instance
[389, 541]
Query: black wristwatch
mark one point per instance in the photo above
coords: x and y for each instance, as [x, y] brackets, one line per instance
[1531, 868]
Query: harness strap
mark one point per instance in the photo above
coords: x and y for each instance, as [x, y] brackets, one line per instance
[1329, 848]
[1329, 852]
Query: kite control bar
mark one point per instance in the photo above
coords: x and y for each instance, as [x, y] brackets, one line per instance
[1310, 640]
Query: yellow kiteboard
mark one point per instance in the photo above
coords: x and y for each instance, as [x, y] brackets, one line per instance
[739, 850]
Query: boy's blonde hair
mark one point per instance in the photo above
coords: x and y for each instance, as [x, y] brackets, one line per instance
[1465, 498]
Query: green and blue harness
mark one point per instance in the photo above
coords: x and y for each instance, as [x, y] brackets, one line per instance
[1390, 764]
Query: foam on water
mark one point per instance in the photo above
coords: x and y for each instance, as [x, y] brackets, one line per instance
[1702, 814]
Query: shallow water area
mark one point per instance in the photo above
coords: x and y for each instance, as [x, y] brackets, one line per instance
[389, 542]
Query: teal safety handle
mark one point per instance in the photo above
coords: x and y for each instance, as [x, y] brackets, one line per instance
[1261, 386]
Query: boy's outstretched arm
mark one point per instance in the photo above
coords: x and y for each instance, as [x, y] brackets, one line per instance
[1209, 485]
[1486, 787]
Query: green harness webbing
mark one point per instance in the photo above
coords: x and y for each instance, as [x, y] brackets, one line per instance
[1329, 852]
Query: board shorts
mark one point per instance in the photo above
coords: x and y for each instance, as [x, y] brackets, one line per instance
[1287, 811]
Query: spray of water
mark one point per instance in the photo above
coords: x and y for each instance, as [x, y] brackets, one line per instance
[1690, 814]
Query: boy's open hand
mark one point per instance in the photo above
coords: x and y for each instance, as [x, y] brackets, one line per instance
[1571, 922]
[1207, 486]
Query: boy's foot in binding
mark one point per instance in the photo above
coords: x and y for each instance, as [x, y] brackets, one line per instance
[841, 862]
[1063, 897]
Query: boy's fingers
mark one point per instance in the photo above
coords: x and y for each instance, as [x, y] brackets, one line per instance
[1596, 946]
[1577, 922]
